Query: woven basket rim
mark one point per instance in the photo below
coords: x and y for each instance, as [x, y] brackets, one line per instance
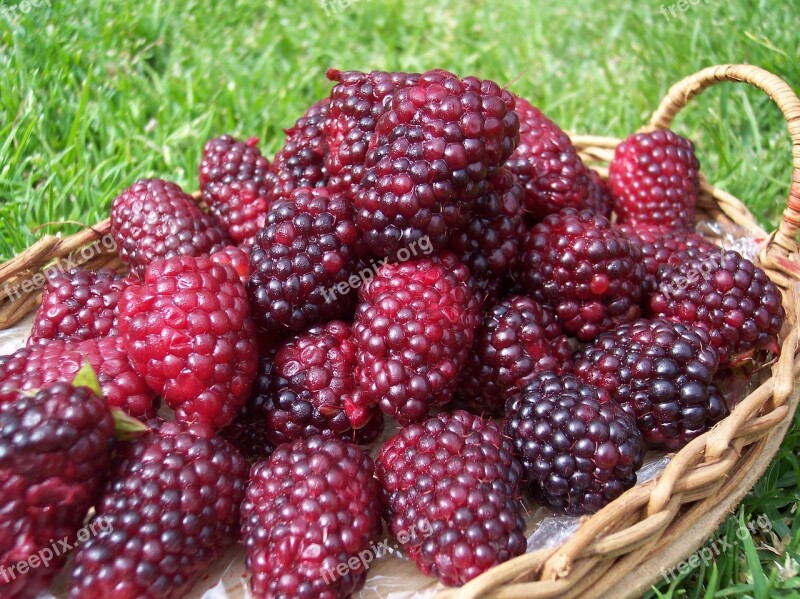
[617, 540]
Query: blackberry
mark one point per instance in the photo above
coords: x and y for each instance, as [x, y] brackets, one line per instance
[306, 251]
[155, 219]
[590, 273]
[451, 494]
[433, 149]
[579, 449]
[79, 304]
[52, 361]
[599, 199]
[170, 507]
[728, 296]
[357, 101]
[412, 332]
[517, 339]
[233, 177]
[189, 333]
[54, 452]
[301, 161]
[654, 178]
[235, 257]
[311, 375]
[312, 506]
[660, 372]
[664, 247]
[490, 242]
[547, 165]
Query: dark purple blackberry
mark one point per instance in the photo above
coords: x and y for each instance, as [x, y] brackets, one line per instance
[451, 494]
[660, 372]
[169, 509]
[312, 506]
[654, 178]
[433, 149]
[548, 166]
[302, 261]
[664, 247]
[301, 161]
[79, 304]
[728, 296]
[599, 200]
[248, 431]
[311, 375]
[54, 452]
[412, 332]
[156, 219]
[233, 182]
[579, 449]
[491, 240]
[590, 273]
[356, 104]
[517, 339]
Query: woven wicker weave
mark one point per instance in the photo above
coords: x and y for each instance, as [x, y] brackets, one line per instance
[623, 549]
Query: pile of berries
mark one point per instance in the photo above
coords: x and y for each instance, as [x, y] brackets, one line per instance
[424, 248]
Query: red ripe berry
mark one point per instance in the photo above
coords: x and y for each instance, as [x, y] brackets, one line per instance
[451, 494]
[169, 509]
[654, 179]
[590, 273]
[79, 304]
[312, 506]
[490, 242]
[155, 219]
[660, 372]
[728, 296]
[311, 375]
[412, 332]
[189, 333]
[54, 452]
[356, 104]
[52, 361]
[306, 251]
[579, 449]
[517, 339]
[664, 247]
[548, 166]
[434, 147]
[233, 177]
[301, 161]
[235, 257]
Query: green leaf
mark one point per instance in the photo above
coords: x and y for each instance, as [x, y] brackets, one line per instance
[86, 377]
[127, 427]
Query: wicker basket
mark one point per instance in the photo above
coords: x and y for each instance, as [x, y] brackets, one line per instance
[624, 548]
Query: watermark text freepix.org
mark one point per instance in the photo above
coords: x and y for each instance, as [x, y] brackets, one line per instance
[671, 11]
[9, 11]
[714, 548]
[57, 548]
[422, 245]
[363, 560]
[78, 257]
[333, 6]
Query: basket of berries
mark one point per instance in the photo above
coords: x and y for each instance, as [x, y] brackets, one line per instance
[388, 359]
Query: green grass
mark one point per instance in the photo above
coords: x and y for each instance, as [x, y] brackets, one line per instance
[96, 93]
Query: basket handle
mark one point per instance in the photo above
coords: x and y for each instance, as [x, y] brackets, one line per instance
[784, 240]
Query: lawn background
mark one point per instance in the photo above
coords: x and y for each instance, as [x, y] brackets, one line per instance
[97, 93]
